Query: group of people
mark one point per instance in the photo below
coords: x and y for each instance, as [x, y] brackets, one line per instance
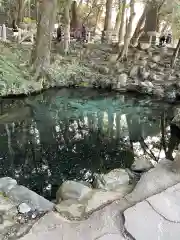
[165, 39]
[80, 33]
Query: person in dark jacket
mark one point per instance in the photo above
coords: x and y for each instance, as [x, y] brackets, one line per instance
[14, 26]
[162, 40]
[59, 33]
[84, 33]
[168, 38]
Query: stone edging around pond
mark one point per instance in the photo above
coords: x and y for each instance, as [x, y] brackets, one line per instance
[77, 200]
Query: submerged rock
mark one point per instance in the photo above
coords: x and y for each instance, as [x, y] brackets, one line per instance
[72, 190]
[112, 181]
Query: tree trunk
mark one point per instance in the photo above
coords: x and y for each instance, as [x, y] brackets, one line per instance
[74, 17]
[175, 55]
[41, 53]
[107, 22]
[122, 22]
[118, 19]
[98, 17]
[20, 16]
[138, 31]
[67, 26]
[127, 38]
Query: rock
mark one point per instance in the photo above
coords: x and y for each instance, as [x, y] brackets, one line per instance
[112, 181]
[158, 92]
[144, 46]
[5, 204]
[6, 184]
[21, 194]
[72, 190]
[147, 86]
[113, 58]
[134, 71]
[100, 198]
[122, 80]
[156, 58]
[152, 65]
[154, 181]
[24, 208]
[71, 208]
[167, 203]
[141, 164]
[103, 69]
[161, 218]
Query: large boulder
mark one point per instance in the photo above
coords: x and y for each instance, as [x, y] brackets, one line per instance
[154, 181]
[100, 198]
[113, 181]
[21, 194]
[71, 209]
[6, 184]
[141, 164]
[72, 190]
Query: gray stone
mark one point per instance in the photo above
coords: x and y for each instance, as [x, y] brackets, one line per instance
[21, 194]
[158, 91]
[6, 184]
[134, 71]
[150, 223]
[141, 164]
[156, 58]
[154, 181]
[147, 86]
[167, 203]
[113, 58]
[24, 208]
[122, 80]
[100, 198]
[144, 46]
[6, 204]
[110, 236]
[71, 208]
[72, 190]
[112, 180]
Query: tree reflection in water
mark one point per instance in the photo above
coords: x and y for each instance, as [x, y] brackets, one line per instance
[69, 134]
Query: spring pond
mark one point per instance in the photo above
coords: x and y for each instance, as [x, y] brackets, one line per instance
[71, 134]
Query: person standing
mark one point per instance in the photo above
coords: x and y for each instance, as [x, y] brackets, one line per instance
[84, 33]
[59, 33]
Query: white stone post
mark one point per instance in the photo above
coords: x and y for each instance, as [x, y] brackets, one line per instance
[4, 35]
[19, 35]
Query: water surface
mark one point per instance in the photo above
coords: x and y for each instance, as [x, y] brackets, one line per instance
[71, 134]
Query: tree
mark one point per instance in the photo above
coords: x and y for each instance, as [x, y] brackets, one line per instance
[175, 54]
[122, 22]
[67, 26]
[139, 28]
[107, 21]
[123, 53]
[41, 53]
[118, 18]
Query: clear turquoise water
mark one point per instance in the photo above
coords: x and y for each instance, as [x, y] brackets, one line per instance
[71, 134]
